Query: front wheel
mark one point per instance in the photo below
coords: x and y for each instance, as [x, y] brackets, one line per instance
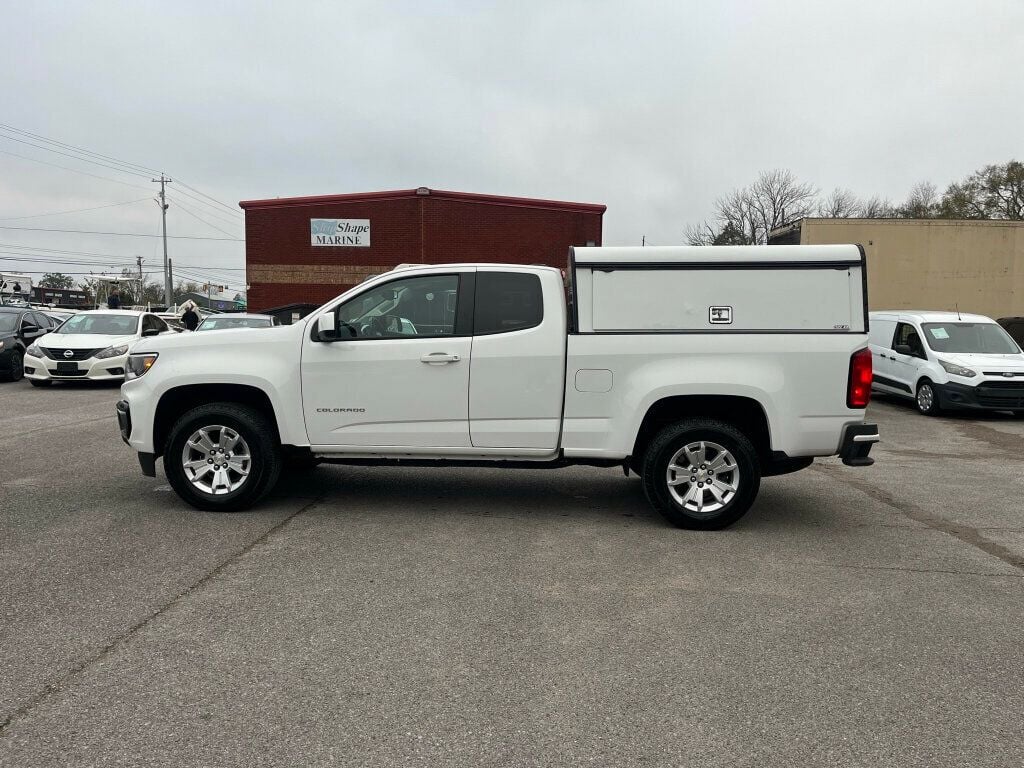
[222, 457]
[928, 399]
[701, 474]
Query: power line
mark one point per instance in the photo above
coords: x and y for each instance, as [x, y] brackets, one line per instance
[230, 208]
[122, 234]
[73, 170]
[74, 157]
[12, 129]
[77, 210]
[211, 209]
[20, 247]
[196, 216]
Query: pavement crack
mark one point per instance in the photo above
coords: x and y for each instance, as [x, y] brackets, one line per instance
[120, 640]
[964, 533]
[915, 570]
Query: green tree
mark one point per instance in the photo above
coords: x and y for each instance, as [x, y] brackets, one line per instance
[993, 192]
[57, 280]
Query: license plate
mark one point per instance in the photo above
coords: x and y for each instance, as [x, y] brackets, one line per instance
[67, 367]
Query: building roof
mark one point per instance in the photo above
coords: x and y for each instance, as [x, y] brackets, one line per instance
[399, 194]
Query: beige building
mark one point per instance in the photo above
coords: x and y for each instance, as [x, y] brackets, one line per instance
[936, 264]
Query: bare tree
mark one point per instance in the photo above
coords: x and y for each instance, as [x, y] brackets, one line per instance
[745, 216]
[840, 204]
[876, 207]
[922, 202]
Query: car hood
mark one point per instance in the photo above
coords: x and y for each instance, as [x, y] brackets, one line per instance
[985, 362]
[82, 341]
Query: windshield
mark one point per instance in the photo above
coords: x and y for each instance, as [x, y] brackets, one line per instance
[969, 338]
[109, 325]
[8, 321]
[220, 323]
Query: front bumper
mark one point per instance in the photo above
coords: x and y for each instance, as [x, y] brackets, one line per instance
[147, 461]
[92, 369]
[856, 444]
[988, 395]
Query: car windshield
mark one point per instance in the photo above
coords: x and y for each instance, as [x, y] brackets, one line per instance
[969, 338]
[109, 325]
[220, 323]
[8, 321]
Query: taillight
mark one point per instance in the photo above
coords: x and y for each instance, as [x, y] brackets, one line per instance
[858, 391]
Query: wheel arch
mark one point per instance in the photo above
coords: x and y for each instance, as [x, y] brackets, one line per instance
[178, 400]
[745, 413]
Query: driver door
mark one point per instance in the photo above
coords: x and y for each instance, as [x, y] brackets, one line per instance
[398, 375]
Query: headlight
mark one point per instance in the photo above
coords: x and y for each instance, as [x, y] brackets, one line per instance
[139, 364]
[112, 352]
[34, 350]
[957, 370]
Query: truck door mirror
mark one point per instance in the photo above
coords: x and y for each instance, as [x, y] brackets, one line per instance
[903, 349]
[327, 327]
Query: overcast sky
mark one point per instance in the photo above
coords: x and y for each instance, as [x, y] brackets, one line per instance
[654, 109]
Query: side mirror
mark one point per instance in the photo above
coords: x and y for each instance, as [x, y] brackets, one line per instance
[327, 327]
[903, 349]
[29, 328]
[151, 332]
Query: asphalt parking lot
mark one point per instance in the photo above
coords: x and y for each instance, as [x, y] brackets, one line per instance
[414, 617]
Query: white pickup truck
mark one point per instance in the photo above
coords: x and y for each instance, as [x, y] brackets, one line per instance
[702, 370]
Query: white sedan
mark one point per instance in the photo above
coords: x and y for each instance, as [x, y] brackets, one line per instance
[90, 346]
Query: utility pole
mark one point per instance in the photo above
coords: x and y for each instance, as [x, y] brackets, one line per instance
[170, 271]
[138, 262]
[168, 288]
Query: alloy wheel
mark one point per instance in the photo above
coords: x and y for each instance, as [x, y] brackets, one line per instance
[703, 477]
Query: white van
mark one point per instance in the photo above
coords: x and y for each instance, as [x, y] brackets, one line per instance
[946, 360]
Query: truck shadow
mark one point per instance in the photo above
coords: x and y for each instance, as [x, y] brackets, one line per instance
[580, 492]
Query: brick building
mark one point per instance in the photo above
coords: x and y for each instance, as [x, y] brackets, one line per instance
[307, 250]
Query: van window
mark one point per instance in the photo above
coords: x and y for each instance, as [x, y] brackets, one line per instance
[507, 301]
[977, 338]
[907, 335]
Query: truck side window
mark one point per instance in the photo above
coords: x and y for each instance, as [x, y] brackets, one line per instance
[417, 306]
[507, 301]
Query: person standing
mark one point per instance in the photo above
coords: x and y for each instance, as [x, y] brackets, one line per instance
[190, 317]
[114, 300]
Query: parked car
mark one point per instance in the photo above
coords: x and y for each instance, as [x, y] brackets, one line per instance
[225, 321]
[91, 345]
[57, 316]
[947, 360]
[1015, 327]
[702, 370]
[20, 327]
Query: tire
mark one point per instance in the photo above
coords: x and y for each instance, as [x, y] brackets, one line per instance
[927, 399]
[38, 383]
[675, 496]
[16, 369]
[224, 489]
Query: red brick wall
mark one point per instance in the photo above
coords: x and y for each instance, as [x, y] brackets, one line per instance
[283, 267]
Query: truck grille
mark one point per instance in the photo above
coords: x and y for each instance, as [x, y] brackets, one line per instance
[1007, 374]
[76, 354]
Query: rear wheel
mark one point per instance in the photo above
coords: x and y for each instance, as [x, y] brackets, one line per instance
[222, 457]
[701, 474]
[928, 399]
[16, 369]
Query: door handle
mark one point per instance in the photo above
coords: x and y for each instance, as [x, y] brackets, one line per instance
[439, 357]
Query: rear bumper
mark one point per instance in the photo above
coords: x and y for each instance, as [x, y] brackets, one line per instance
[985, 396]
[856, 444]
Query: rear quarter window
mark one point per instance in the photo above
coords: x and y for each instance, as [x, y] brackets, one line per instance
[507, 301]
